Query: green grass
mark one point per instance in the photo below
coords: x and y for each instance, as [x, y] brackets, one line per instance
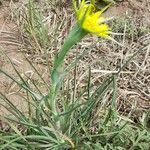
[92, 124]
[85, 119]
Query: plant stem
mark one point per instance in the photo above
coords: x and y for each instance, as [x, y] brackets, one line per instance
[75, 35]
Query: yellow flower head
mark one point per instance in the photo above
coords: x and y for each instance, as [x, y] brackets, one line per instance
[91, 20]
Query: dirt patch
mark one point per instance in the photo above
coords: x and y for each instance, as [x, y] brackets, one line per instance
[11, 44]
[138, 10]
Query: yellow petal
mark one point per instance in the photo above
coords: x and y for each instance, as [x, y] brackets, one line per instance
[92, 21]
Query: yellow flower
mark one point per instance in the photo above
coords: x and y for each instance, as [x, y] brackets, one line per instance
[91, 20]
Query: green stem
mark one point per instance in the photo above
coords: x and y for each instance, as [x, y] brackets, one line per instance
[53, 100]
[75, 35]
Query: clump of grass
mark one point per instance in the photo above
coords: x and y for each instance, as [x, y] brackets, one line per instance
[85, 120]
[35, 28]
[133, 30]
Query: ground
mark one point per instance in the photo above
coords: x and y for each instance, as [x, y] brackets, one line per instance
[104, 59]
